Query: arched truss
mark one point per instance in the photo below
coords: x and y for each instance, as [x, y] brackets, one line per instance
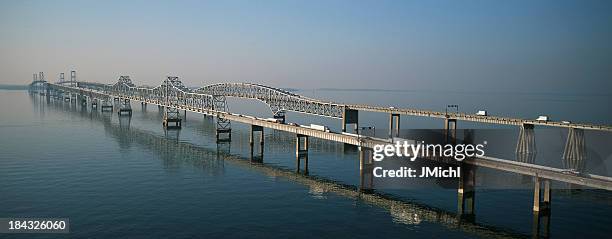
[126, 81]
[172, 92]
[278, 100]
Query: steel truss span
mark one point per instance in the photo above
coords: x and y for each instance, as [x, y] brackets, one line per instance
[278, 100]
[173, 91]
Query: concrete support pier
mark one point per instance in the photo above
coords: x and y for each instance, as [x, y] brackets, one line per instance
[301, 152]
[256, 128]
[541, 208]
[394, 118]
[107, 106]
[450, 130]
[526, 146]
[574, 154]
[125, 109]
[366, 178]
[466, 193]
[541, 198]
[350, 116]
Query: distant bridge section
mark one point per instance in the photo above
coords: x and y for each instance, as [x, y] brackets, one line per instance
[490, 119]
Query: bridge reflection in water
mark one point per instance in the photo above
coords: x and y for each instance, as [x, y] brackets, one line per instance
[174, 152]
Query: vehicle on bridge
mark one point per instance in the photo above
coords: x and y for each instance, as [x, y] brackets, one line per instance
[274, 120]
[319, 127]
[543, 118]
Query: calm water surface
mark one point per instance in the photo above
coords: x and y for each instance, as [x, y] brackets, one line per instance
[128, 178]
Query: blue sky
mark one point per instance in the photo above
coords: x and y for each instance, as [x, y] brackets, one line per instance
[550, 46]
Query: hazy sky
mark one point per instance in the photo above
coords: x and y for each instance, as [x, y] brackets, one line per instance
[551, 46]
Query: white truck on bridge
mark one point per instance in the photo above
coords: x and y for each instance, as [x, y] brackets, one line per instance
[319, 127]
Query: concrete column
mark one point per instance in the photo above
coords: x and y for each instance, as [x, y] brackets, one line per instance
[574, 154]
[390, 125]
[541, 208]
[297, 164]
[256, 128]
[366, 179]
[301, 151]
[251, 137]
[297, 145]
[526, 146]
[397, 126]
[306, 162]
[466, 192]
[394, 118]
[350, 116]
[301, 147]
[547, 193]
[450, 130]
[536, 194]
[361, 160]
[541, 200]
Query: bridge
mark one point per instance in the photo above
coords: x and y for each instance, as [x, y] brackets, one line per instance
[210, 159]
[174, 99]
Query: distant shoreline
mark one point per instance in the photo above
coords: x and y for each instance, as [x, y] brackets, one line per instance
[13, 87]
